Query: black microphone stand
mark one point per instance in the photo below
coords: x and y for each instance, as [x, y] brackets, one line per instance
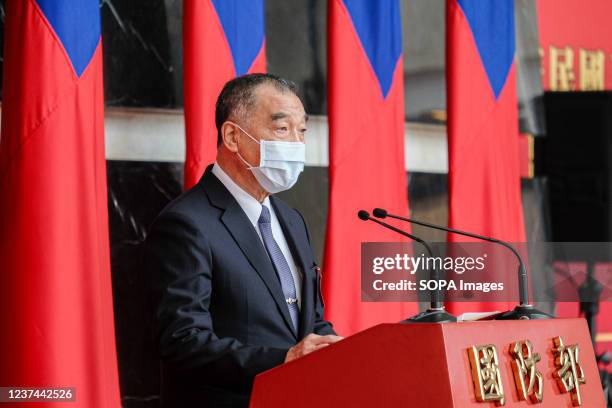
[436, 312]
[590, 294]
[524, 311]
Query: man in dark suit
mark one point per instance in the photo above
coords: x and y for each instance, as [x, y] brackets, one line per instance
[236, 282]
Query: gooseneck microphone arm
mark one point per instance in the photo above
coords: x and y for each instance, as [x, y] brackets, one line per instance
[436, 312]
[524, 310]
[522, 273]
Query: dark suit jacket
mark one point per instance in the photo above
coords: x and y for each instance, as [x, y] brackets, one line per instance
[221, 314]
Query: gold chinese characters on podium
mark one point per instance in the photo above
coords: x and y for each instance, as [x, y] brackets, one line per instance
[528, 380]
[485, 374]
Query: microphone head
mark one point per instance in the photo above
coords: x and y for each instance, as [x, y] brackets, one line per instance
[379, 213]
[363, 215]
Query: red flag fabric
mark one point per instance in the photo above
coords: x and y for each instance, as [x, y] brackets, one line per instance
[56, 305]
[366, 152]
[483, 138]
[221, 39]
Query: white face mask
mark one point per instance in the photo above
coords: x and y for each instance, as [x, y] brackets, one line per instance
[280, 163]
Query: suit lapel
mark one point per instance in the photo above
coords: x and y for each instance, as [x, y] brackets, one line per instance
[297, 243]
[241, 229]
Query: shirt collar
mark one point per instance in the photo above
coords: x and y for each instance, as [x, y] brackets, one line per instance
[248, 203]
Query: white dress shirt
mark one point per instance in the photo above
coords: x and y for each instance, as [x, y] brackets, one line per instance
[252, 209]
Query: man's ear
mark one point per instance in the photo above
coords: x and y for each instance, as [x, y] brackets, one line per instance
[229, 136]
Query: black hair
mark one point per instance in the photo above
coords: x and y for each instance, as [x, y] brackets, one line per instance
[237, 95]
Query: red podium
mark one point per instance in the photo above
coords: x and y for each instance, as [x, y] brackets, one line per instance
[469, 364]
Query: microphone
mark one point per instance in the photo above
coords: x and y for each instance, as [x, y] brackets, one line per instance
[524, 310]
[365, 216]
[436, 312]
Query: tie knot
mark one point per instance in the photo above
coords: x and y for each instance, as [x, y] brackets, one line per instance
[264, 218]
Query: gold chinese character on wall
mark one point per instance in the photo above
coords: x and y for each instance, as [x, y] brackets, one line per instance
[528, 380]
[541, 55]
[568, 371]
[592, 70]
[485, 374]
[561, 72]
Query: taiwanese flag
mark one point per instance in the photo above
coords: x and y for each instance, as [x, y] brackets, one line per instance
[222, 39]
[483, 138]
[56, 306]
[366, 151]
